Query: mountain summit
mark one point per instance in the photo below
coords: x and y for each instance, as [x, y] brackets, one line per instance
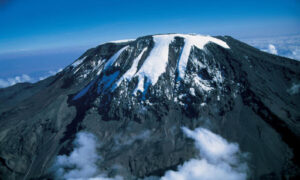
[141, 100]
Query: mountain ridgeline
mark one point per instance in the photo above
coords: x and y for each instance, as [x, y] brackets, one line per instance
[136, 95]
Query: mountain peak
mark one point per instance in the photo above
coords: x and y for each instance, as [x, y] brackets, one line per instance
[146, 59]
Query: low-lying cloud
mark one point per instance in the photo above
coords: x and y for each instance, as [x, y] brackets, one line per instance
[6, 82]
[287, 46]
[272, 49]
[121, 139]
[295, 89]
[81, 163]
[14, 80]
[218, 159]
[49, 73]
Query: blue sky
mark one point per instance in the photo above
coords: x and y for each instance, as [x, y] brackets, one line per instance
[36, 24]
[39, 37]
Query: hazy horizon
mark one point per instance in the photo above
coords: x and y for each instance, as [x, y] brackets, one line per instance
[37, 38]
[34, 25]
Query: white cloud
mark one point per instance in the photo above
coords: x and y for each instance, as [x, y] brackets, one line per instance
[121, 139]
[25, 78]
[287, 46]
[50, 73]
[105, 178]
[218, 159]
[4, 83]
[294, 89]
[83, 158]
[272, 49]
[54, 72]
[12, 81]
[295, 54]
[81, 163]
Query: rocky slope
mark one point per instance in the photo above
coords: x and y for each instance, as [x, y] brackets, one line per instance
[135, 96]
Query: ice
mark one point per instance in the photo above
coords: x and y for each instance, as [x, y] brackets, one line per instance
[122, 41]
[204, 85]
[78, 62]
[107, 81]
[131, 72]
[198, 41]
[113, 59]
[156, 62]
[192, 92]
[84, 91]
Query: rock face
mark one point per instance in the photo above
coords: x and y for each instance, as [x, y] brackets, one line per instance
[135, 96]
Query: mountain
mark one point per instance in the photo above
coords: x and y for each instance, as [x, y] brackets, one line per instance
[141, 100]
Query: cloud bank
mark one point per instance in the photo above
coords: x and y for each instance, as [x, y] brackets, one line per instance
[12, 81]
[287, 46]
[49, 73]
[25, 78]
[218, 159]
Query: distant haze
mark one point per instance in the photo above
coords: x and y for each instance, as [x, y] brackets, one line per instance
[35, 24]
[38, 38]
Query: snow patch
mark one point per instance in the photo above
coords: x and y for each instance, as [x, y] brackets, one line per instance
[107, 81]
[113, 59]
[156, 62]
[131, 72]
[218, 76]
[198, 41]
[192, 92]
[78, 62]
[98, 67]
[84, 91]
[202, 84]
[122, 41]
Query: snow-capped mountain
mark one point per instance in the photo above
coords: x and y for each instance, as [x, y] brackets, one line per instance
[136, 95]
[147, 65]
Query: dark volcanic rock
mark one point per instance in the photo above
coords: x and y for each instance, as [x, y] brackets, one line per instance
[238, 92]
